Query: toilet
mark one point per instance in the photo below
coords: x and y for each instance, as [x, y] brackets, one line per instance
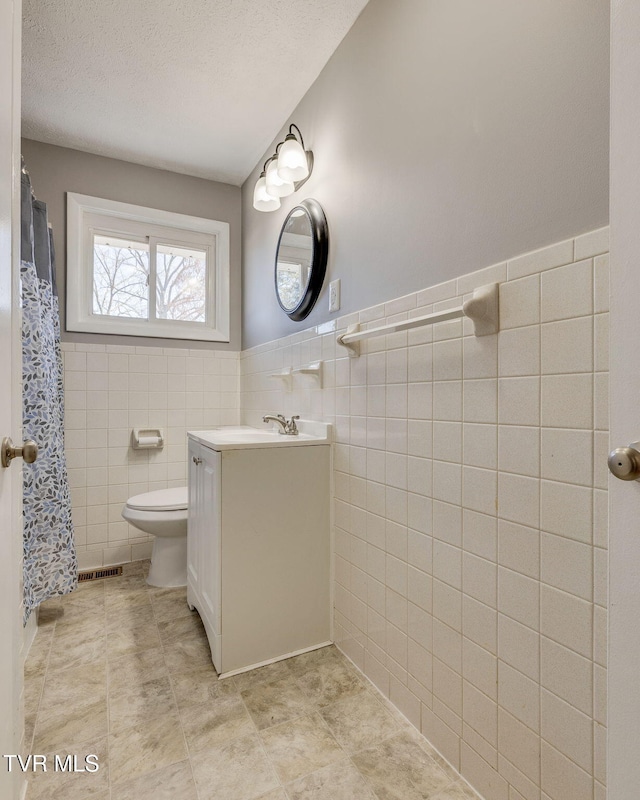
[163, 514]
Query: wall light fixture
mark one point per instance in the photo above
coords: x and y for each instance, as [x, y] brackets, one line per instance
[284, 173]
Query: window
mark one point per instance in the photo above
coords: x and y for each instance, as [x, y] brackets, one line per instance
[289, 278]
[143, 272]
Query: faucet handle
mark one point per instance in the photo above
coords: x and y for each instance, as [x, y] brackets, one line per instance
[292, 428]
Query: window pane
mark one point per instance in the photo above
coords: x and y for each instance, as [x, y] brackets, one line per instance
[290, 287]
[120, 277]
[181, 283]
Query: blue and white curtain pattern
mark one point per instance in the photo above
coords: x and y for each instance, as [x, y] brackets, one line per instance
[50, 565]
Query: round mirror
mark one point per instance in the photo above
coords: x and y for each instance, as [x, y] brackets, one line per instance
[301, 259]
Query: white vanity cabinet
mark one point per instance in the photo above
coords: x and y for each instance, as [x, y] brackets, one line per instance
[258, 564]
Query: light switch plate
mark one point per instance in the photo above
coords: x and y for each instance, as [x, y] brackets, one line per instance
[334, 295]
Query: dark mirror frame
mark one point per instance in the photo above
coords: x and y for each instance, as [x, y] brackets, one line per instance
[320, 255]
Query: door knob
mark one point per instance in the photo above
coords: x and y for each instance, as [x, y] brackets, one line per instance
[28, 452]
[624, 462]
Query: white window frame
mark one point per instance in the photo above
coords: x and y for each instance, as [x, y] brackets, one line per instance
[88, 215]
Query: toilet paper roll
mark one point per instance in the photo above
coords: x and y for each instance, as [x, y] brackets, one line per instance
[149, 441]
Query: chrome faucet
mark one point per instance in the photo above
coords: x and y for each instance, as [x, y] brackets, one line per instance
[287, 428]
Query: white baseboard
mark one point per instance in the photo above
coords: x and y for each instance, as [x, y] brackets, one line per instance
[273, 660]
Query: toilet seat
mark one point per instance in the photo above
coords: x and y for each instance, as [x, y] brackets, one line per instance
[160, 500]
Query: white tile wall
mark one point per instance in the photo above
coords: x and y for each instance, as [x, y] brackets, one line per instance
[470, 515]
[108, 391]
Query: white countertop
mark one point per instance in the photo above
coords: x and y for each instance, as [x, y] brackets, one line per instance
[244, 437]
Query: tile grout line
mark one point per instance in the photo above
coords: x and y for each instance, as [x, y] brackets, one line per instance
[44, 680]
[106, 678]
[262, 744]
[135, 651]
[175, 699]
[166, 666]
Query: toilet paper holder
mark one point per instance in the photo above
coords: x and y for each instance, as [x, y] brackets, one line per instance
[147, 439]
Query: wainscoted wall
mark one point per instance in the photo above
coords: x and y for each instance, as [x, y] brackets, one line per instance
[108, 391]
[470, 515]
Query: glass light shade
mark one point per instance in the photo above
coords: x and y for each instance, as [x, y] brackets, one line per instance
[276, 187]
[292, 160]
[262, 200]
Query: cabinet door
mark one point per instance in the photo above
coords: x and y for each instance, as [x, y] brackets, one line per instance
[194, 528]
[209, 534]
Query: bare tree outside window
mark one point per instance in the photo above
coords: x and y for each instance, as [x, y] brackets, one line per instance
[181, 281]
[290, 288]
[120, 278]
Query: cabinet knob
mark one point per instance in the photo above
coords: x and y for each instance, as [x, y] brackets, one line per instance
[197, 461]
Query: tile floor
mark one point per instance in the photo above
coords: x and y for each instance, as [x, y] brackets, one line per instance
[123, 671]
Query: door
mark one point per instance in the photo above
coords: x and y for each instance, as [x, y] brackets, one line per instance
[624, 393]
[11, 721]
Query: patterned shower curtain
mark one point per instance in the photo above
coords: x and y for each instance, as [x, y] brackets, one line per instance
[50, 565]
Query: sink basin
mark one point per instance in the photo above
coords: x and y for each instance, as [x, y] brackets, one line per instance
[242, 437]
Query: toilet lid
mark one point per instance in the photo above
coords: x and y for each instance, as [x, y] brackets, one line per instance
[161, 500]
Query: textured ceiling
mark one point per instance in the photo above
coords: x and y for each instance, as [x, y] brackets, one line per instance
[193, 86]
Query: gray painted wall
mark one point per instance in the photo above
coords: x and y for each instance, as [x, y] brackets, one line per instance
[448, 135]
[57, 170]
